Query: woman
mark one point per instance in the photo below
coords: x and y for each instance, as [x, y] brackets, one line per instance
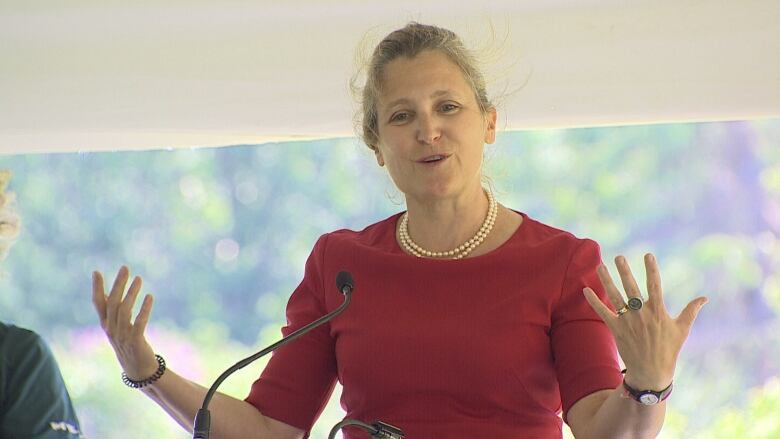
[471, 320]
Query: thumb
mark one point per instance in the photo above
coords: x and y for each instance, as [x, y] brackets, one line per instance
[689, 313]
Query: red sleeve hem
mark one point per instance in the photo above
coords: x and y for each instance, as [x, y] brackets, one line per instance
[597, 380]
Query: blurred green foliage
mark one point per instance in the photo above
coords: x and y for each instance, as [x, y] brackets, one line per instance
[220, 236]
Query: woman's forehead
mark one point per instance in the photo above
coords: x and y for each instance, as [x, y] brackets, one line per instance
[429, 74]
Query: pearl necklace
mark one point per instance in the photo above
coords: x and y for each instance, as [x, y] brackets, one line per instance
[458, 252]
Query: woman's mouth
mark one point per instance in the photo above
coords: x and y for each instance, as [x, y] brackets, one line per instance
[434, 159]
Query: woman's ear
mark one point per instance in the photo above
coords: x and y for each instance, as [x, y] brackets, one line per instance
[490, 129]
[379, 159]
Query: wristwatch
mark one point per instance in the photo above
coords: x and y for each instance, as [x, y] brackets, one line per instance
[647, 397]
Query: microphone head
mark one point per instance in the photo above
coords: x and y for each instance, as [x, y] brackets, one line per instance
[344, 282]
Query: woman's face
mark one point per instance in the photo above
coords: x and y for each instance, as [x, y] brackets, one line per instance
[431, 130]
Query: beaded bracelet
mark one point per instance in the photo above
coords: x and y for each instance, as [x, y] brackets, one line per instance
[142, 383]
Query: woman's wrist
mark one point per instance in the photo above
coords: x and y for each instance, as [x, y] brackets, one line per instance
[647, 396]
[150, 379]
[650, 381]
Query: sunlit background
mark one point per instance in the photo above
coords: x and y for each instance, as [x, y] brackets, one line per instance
[220, 236]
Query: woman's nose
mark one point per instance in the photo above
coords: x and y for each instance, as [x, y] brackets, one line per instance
[428, 129]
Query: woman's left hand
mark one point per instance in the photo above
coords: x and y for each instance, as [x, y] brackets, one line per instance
[648, 339]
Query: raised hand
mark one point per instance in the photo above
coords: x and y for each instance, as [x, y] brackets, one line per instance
[134, 353]
[648, 339]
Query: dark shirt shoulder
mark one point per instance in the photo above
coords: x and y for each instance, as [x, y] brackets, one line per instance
[34, 402]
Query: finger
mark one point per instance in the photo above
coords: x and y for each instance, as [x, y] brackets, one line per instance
[689, 313]
[613, 293]
[99, 297]
[115, 297]
[139, 326]
[126, 307]
[655, 293]
[627, 278]
[599, 307]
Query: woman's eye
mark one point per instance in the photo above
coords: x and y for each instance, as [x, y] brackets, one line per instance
[399, 117]
[449, 108]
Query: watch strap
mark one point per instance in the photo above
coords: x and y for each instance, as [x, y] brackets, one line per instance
[648, 397]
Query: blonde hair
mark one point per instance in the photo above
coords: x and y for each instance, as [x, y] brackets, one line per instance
[408, 42]
[10, 223]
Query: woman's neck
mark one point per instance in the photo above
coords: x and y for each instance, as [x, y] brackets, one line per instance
[443, 224]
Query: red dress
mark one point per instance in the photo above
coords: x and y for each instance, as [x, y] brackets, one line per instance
[492, 346]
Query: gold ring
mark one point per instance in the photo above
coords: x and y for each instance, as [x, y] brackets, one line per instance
[622, 311]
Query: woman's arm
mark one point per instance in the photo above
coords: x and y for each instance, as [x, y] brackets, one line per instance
[181, 398]
[649, 341]
[610, 414]
[230, 417]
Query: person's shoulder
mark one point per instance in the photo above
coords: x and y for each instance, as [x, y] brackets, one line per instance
[14, 337]
[42, 406]
[536, 232]
[542, 230]
[20, 343]
[373, 235]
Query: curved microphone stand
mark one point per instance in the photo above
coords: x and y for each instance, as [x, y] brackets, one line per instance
[202, 424]
[377, 430]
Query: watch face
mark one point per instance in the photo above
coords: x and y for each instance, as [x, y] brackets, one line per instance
[648, 399]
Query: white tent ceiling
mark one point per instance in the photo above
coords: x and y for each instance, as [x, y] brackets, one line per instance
[107, 75]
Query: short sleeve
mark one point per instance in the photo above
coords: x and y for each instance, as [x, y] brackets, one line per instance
[585, 354]
[300, 376]
[35, 403]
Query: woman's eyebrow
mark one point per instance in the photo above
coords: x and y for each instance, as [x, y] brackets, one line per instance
[439, 93]
[436, 94]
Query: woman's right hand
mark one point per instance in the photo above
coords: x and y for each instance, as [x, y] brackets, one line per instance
[134, 353]
[181, 398]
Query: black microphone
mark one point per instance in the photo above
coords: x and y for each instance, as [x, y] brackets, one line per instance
[344, 282]
[377, 430]
[202, 424]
